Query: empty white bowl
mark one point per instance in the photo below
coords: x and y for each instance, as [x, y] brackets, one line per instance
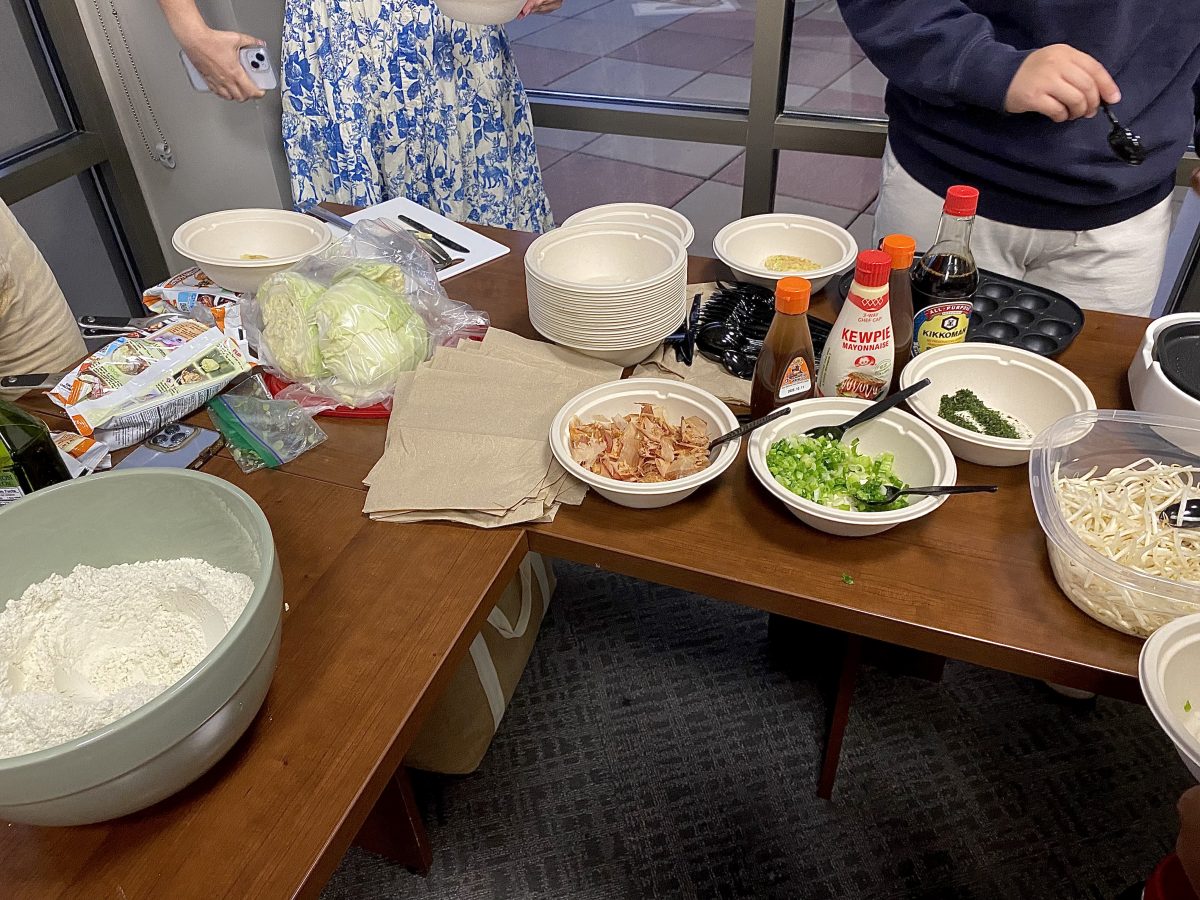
[921, 458]
[481, 12]
[744, 245]
[1034, 390]
[603, 256]
[1169, 673]
[218, 242]
[647, 214]
[620, 398]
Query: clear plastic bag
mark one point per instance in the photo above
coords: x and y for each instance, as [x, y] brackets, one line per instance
[260, 430]
[343, 324]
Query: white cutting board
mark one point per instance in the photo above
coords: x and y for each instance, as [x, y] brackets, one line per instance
[482, 249]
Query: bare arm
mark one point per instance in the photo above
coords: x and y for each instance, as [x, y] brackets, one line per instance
[213, 53]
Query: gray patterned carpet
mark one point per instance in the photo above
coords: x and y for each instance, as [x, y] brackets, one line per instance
[650, 751]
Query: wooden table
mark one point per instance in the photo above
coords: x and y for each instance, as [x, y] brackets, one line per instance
[380, 615]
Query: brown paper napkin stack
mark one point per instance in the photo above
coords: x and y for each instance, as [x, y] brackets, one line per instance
[467, 440]
[703, 373]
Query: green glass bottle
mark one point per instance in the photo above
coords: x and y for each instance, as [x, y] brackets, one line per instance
[29, 458]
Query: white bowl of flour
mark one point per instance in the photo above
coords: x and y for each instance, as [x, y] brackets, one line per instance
[139, 630]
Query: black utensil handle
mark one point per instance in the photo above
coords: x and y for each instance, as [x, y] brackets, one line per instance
[29, 381]
[939, 490]
[882, 406]
[750, 426]
[107, 322]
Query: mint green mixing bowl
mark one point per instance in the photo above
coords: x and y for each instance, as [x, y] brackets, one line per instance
[138, 516]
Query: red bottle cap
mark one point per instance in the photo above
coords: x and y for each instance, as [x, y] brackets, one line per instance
[873, 269]
[791, 295]
[961, 200]
[901, 248]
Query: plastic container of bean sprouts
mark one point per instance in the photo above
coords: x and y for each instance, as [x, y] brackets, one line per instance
[1090, 545]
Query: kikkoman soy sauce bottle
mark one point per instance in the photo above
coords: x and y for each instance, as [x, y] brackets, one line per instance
[945, 280]
[785, 372]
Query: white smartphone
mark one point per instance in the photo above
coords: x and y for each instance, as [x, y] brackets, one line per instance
[255, 61]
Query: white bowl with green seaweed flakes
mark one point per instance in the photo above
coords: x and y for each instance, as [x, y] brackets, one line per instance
[997, 386]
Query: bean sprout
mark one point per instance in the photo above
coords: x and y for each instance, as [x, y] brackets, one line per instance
[1118, 516]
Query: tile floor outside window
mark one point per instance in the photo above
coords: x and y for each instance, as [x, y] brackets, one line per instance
[697, 50]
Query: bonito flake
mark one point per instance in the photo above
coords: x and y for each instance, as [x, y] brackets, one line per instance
[642, 447]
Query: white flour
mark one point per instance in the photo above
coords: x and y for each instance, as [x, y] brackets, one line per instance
[79, 652]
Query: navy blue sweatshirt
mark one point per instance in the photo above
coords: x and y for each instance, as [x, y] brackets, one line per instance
[949, 64]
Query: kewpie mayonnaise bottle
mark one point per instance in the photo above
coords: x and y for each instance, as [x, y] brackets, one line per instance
[858, 356]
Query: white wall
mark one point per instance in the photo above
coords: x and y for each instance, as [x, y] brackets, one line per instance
[227, 155]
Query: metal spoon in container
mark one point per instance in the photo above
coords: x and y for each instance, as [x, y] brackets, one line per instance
[1170, 515]
[837, 432]
[891, 492]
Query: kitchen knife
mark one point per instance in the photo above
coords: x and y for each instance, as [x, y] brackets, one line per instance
[440, 238]
[332, 218]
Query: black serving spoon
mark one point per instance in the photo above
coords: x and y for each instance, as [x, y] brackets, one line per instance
[837, 432]
[1125, 144]
[891, 492]
[749, 426]
[1191, 514]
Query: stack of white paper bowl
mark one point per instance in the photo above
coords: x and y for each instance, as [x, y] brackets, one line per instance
[611, 290]
[648, 214]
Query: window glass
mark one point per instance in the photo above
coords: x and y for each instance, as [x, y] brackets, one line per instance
[690, 50]
[30, 106]
[68, 224]
[702, 181]
[827, 70]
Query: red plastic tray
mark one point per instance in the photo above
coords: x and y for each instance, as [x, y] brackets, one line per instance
[275, 384]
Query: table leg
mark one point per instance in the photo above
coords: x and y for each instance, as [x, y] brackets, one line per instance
[394, 828]
[837, 715]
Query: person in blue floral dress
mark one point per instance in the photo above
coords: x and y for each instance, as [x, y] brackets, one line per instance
[390, 98]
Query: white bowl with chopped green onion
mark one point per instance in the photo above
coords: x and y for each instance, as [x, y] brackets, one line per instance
[1009, 392]
[894, 448]
[1169, 673]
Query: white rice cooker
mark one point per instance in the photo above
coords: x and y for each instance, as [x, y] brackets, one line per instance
[1164, 376]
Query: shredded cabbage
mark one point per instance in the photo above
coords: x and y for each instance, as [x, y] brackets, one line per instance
[833, 474]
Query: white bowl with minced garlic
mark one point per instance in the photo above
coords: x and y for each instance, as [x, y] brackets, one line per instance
[755, 248]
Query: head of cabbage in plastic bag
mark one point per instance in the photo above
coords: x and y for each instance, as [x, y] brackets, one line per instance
[342, 325]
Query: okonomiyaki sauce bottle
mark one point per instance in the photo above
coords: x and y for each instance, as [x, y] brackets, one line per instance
[784, 371]
[901, 248]
[858, 356]
[945, 280]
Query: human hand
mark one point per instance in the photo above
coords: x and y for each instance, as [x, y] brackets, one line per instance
[1196, 180]
[1062, 83]
[215, 56]
[1187, 847]
[540, 7]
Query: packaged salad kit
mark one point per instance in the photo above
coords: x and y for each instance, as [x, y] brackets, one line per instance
[133, 386]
